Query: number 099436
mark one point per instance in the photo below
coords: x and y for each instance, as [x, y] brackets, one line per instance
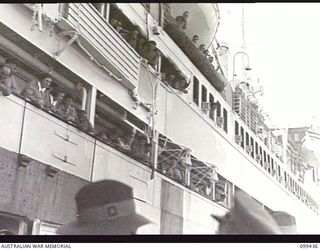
[305, 245]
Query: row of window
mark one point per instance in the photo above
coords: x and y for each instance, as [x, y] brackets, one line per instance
[255, 151]
[220, 115]
[216, 112]
[248, 143]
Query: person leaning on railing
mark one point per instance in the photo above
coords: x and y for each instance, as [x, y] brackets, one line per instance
[110, 135]
[70, 110]
[182, 20]
[210, 59]
[195, 39]
[118, 26]
[207, 187]
[132, 38]
[173, 170]
[168, 78]
[220, 195]
[103, 135]
[139, 149]
[113, 23]
[202, 48]
[57, 104]
[194, 186]
[155, 58]
[206, 53]
[38, 92]
[163, 167]
[180, 82]
[7, 85]
[83, 122]
[126, 141]
[140, 45]
[148, 51]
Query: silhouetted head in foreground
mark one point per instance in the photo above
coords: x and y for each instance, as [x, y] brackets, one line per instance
[286, 222]
[247, 217]
[105, 208]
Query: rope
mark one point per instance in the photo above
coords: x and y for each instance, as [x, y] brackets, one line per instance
[147, 28]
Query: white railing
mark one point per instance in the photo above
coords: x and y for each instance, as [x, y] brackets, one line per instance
[104, 43]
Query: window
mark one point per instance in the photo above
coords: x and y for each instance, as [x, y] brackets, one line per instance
[279, 171]
[314, 174]
[268, 160]
[247, 139]
[236, 128]
[218, 109]
[211, 101]
[285, 177]
[242, 136]
[196, 91]
[256, 147]
[260, 149]
[203, 94]
[252, 146]
[225, 120]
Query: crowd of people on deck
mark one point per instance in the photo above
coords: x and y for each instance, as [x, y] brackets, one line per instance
[120, 217]
[145, 48]
[45, 95]
[148, 50]
[181, 21]
[173, 167]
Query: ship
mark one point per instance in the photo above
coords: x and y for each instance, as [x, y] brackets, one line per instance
[157, 112]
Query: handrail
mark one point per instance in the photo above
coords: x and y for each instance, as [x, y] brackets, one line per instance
[104, 46]
[65, 160]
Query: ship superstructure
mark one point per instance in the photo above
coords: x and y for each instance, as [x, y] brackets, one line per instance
[164, 119]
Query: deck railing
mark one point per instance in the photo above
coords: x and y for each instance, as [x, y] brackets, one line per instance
[108, 47]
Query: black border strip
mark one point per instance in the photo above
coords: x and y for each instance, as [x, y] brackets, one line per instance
[163, 239]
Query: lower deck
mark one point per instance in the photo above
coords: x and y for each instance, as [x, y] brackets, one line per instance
[38, 186]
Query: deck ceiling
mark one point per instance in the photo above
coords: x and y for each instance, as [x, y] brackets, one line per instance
[37, 53]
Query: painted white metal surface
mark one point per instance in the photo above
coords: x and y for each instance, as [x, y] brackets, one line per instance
[202, 15]
[11, 113]
[108, 46]
[52, 141]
